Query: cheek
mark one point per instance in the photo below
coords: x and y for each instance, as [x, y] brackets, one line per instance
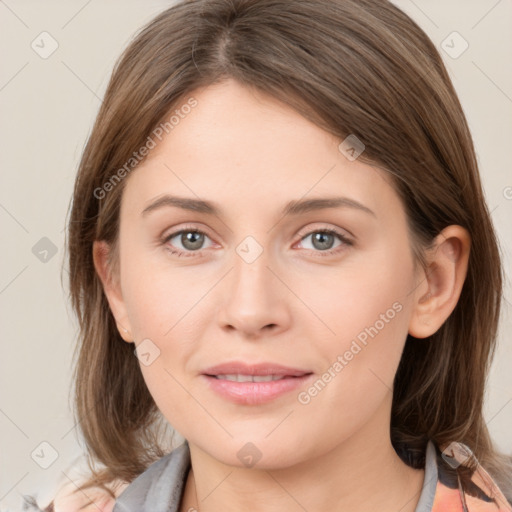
[157, 297]
[368, 311]
[360, 362]
[372, 296]
[160, 305]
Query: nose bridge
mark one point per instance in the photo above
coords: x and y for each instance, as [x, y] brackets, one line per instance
[253, 299]
[251, 272]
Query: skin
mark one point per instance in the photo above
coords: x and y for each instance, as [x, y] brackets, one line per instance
[250, 155]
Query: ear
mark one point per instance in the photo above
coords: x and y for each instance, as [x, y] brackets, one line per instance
[111, 288]
[441, 282]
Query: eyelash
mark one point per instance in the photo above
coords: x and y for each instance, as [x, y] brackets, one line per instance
[198, 254]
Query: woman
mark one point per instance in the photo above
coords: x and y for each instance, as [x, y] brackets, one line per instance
[279, 213]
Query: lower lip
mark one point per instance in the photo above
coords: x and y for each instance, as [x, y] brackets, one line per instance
[253, 393]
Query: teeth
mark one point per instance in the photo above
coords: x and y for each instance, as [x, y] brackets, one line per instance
[250, 378]
[266, 378]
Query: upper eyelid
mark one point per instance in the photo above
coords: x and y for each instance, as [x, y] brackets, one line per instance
[186, 229]
[302, 232]
[336, 230]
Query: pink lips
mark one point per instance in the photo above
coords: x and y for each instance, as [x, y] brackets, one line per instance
[252, 393]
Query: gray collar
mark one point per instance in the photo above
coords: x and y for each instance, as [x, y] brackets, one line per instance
[160, 487]
[426, 501]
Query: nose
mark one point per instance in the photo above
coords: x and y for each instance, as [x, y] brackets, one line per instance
[255, 301]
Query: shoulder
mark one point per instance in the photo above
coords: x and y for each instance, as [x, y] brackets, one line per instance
[63, 493]
[162, 482]
[69, 499]
[94, 499]
[464, 484]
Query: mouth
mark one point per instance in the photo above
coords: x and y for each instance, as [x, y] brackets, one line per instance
[252, 384]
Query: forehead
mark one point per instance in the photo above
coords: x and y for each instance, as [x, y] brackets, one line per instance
[238, 146]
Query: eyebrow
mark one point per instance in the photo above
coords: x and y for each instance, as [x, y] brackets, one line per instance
[296, 207]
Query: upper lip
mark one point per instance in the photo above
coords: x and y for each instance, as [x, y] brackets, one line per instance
[241, 368]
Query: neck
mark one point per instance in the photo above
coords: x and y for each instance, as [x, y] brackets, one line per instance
[361, 473]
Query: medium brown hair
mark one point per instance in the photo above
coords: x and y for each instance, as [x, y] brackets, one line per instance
[359, 67]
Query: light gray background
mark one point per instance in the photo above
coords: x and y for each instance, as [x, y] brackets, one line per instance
[48, 107]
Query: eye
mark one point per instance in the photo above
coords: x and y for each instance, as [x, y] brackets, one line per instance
[190, 242]
[185, 242]
[323, 241]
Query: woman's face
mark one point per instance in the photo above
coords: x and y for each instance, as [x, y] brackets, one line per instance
[261, 286]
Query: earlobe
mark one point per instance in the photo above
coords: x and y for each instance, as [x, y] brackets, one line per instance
[441, 282]
[111, 288]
